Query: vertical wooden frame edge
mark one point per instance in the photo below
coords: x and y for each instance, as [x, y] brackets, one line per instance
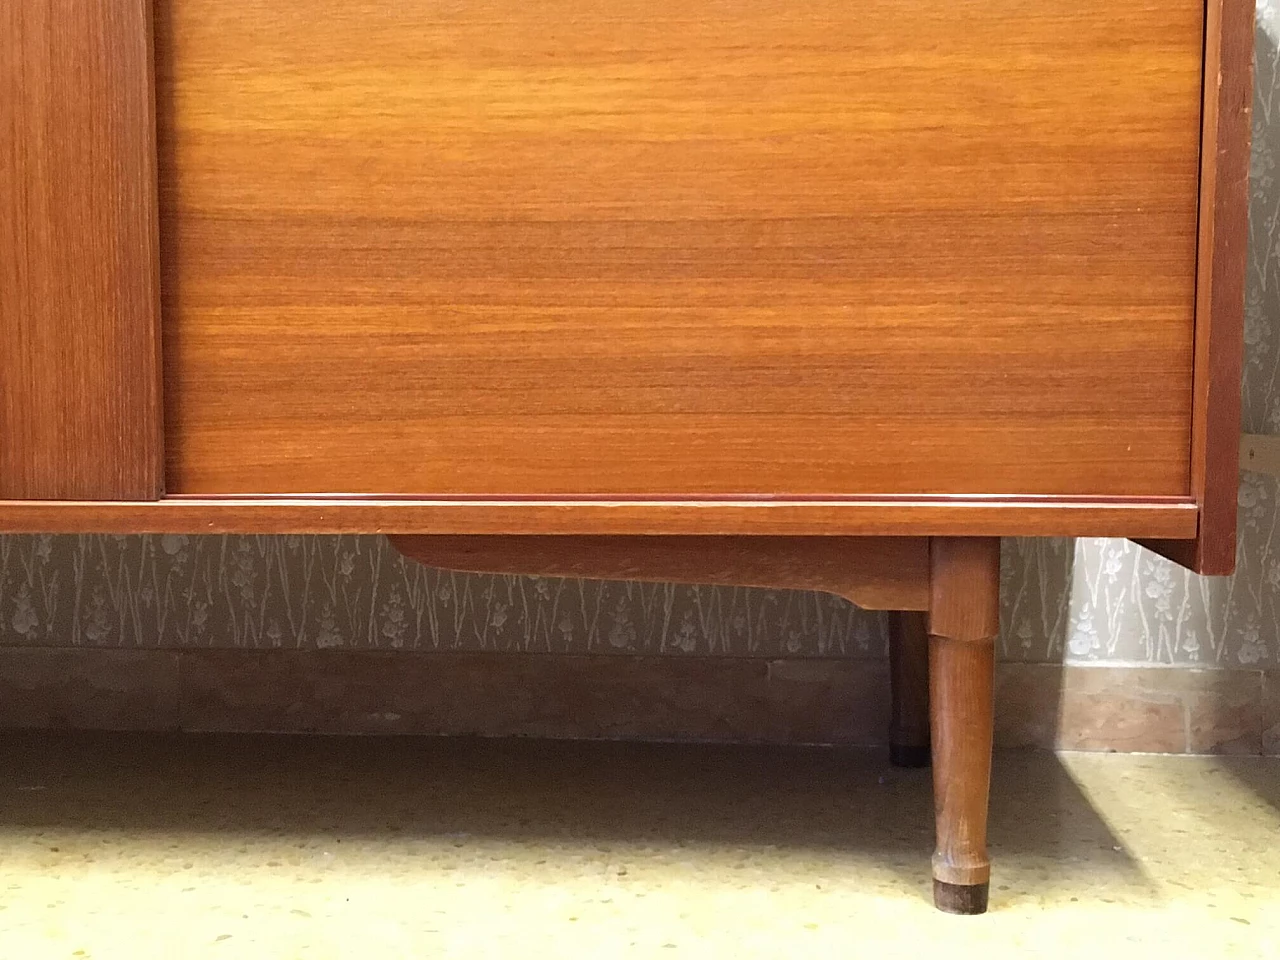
[1220, 277]
[156, 411]
[79, 350]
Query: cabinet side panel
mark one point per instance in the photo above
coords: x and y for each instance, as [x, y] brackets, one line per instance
[1224, 218]
[79, 327]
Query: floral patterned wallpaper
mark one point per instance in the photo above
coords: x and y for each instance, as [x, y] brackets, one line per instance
[358, 592]
[1081, 601]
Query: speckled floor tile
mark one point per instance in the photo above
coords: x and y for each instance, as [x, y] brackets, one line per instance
[138, 846]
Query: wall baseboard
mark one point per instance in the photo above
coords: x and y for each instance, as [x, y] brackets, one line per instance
[1097, 708]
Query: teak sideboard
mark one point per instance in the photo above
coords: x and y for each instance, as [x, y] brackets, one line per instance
[828, 294]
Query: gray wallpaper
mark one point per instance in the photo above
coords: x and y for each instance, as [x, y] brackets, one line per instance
[1087, 600]
[358, 592]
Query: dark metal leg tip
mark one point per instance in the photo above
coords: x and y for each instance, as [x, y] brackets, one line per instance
[903, 756]
[963, 899]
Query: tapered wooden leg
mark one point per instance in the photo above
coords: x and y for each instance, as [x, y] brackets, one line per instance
[909, 680]
[964, 617]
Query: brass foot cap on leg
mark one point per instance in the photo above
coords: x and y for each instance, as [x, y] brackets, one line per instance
[964, 899]
[904, 756]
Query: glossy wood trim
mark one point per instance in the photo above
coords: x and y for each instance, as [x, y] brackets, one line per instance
[889, 516]
[1220, 279]
[80, 414]
[876, 573]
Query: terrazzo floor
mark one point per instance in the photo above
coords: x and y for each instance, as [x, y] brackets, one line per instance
[139, 846]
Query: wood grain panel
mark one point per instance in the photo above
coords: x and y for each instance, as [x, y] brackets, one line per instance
[80, 412]
[1224, 229]
[590, 248]
[887, 517]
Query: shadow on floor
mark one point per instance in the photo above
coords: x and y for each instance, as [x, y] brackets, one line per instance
[844, 804]
[1262, 776]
